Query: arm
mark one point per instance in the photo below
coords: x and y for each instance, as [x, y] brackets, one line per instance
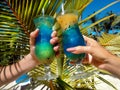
[12, 72]
[112, 65]
[98, 56]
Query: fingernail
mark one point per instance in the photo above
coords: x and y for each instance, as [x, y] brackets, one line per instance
[69, 49]
[37, 28]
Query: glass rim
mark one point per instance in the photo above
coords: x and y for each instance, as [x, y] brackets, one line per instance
[73, 11]
[41, 16]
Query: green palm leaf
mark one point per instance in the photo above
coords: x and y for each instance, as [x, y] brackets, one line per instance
[84, 30]
[111, 42]
[11, 36]
[116, 21]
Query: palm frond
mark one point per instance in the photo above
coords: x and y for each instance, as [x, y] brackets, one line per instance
[105, 38]
[110, 42]
[116, 21]
[105, 81]
[78, 5]
[84, 30]
[114, 45]
[11, 36]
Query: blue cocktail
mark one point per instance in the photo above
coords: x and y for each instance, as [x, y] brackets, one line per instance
[43, 49]
[72, 36]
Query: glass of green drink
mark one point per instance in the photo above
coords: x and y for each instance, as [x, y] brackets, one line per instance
[68, 20]
[43, 49]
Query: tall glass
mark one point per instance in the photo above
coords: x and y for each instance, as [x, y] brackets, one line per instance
[72, 37]
[43, 49]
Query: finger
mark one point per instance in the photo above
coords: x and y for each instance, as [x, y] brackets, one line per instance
[33, 36]
[98, 64]
[54, 34]
[56, 48]
[54, 40]
[106, 66]
[88, 59]
[90, 41]
[85, 60]
[87, 39]
[80, 49]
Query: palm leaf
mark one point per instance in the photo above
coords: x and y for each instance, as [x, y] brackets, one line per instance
[116, 21]
[104, 80]
[111, 42]
[11, 36]
[78, 5]
[106, 38]
[84, 30]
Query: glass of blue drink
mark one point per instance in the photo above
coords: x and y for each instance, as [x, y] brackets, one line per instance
[43, 49]
[71, 37]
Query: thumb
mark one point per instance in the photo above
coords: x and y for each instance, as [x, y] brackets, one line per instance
[80, 49]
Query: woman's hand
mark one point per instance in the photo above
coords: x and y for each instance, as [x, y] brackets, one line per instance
[33, 35]
[96, 54]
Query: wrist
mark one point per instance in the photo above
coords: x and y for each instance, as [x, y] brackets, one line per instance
[110, 59]
[112, 65]
[32, 59]
[28, 63]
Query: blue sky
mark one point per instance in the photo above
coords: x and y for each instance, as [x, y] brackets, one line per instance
[98, 4]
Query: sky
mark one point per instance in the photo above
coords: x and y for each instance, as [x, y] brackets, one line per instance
[98, 4]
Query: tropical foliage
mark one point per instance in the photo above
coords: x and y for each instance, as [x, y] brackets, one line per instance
[16, 23]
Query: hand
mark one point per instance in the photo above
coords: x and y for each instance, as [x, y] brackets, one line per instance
[96, 54]
[33, 36]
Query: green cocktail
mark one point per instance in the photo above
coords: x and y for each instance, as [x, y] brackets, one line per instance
[43, 49]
